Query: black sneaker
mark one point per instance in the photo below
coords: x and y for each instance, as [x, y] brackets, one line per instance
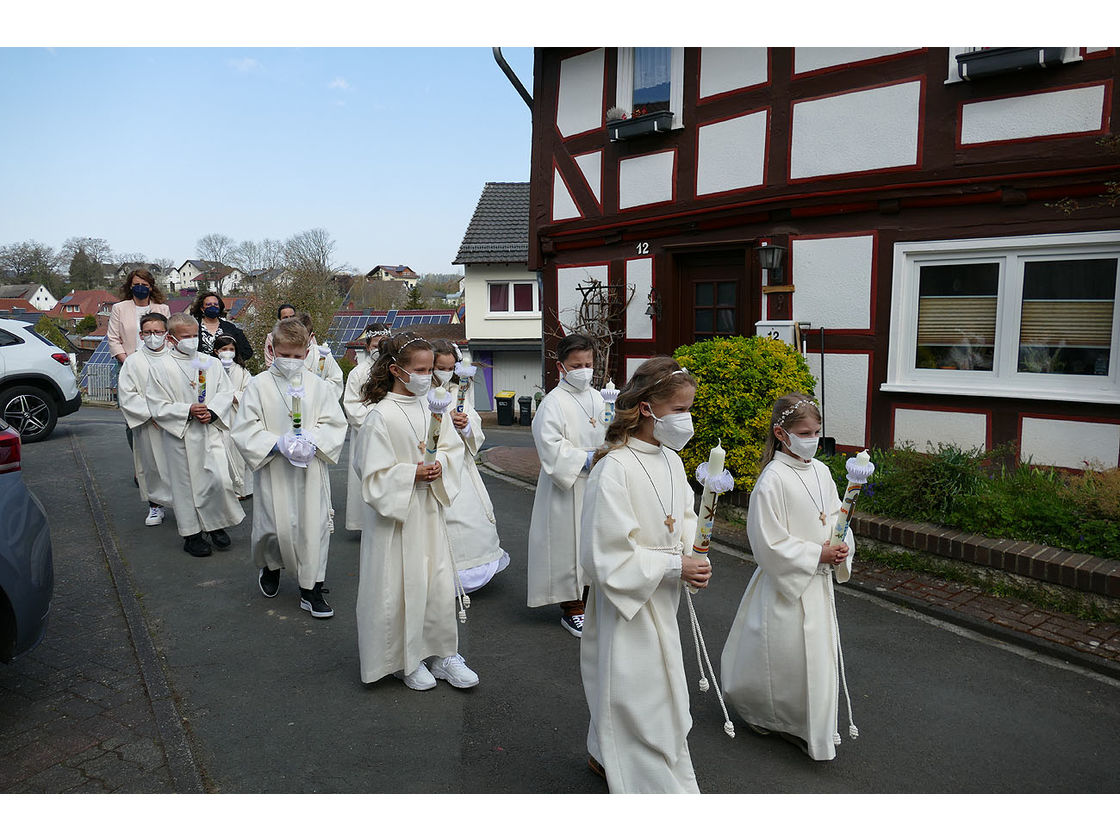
[220, 539]
[312, 601]
[269, 581]
[196, 545]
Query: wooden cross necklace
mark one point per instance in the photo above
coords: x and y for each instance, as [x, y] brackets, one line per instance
[820, 490]
[670, 522]
[590, 418]
[419, 439]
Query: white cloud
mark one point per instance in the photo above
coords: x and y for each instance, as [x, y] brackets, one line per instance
[245, 65]
[340, 83]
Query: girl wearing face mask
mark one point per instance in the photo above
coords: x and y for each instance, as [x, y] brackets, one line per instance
[471, 529]
[783, 663]
[225, 348]
[139, 295]
[356, 412]
[637, 528]
[407, 624]
[210, 311]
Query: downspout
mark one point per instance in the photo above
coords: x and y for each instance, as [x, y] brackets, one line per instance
[516, 82]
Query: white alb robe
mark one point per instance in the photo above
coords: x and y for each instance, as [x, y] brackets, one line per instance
[630, 654]
[291, 506]
[563, 434]
[325, 367]
[779, 666]
[356, 412]
[406, 590]
[471, 525]
[148, 457]
[197, 463]
[239, 473]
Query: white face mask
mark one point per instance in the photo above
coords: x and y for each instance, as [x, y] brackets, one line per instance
[417, 385]
[803, 447]
[579, 378]
[155, 342]
[188, 346]
[673, 430]
[444, 376]
[287, 368]
[226, 357]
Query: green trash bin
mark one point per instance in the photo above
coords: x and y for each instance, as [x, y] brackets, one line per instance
[504, 399]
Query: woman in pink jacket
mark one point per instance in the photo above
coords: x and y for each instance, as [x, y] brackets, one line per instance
[139, 296]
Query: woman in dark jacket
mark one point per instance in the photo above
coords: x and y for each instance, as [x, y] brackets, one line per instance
[209, 309]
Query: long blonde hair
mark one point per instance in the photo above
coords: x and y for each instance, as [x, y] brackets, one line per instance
[787, 411]
[657, 379]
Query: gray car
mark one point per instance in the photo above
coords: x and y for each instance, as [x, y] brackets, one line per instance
[26, 563]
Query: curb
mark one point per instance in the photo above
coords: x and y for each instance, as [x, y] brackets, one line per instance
[181, 765]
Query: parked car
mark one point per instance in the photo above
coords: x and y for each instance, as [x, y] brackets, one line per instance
[37, 383]
[26, 562]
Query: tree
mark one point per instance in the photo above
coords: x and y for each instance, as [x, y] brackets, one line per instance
[32, 262]
[415, 298]
[49, 330]
[247, 256]
[376, 294]
[95, 248]
[165, 265]
[216, 247]
[129, 257]
[87, 325]
[85, 272]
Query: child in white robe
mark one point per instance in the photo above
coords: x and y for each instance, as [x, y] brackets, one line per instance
[638, 529]
[192, 434]
[319, 359]
[291, 511]
[148, 457]
[471, 525]
[225, 348]
[781, 661]
[567, 429]
[406, 587]
[356, 412]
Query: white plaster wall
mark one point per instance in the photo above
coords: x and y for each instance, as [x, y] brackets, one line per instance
[926, 429]
[646, 179]
[591, 165]
[807, 59]
[1067, 443]
[1036, 115]
[568, 299]
[632, 364]
[731, 154]
[579, 105]
[854, 132]
[639, 277]
[563, 205]
[845, 395]
[833, 281]
[478, 324]
[730, 68]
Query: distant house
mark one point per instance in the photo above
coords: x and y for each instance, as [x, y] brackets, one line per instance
[19, 309]
[210, 275]
[501, 295]
[394, 272]
[35, 294]
[76, 305]
[126, 268]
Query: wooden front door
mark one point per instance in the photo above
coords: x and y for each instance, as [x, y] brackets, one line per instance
[714, 297]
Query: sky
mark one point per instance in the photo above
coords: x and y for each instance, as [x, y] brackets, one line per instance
[150, 149]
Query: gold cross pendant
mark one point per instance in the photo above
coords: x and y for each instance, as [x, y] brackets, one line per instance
[670, 522]
[420, 446]
[822, 517]
[591, 420]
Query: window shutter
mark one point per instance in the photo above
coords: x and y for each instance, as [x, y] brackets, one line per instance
[945, 320]
[1066, 323]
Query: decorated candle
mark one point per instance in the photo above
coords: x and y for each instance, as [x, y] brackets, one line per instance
[860, 469]
[296, 392]
[610, 396]
[438, 402]
[716, 480]
[466, 374]
[202, 385]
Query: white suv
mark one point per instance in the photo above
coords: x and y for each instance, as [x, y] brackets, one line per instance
[37, 382]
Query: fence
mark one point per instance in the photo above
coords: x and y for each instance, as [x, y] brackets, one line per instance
[99, 382]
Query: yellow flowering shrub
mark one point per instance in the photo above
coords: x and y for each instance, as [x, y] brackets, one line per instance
[739, 379]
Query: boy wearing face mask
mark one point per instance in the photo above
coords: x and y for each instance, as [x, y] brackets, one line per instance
[567, 429]
[291, 506]
[197, 463]
[147, 448]
[225, 348]
[637, 527]
[782, 664]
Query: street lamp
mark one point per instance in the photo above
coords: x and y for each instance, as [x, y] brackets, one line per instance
[770, 257]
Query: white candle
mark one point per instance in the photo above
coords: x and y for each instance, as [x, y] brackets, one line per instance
[715, 460]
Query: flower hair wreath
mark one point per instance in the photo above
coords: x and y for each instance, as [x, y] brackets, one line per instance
[782, 417]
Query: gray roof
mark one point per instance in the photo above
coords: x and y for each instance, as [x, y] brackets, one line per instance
[499, 229]
[19, 290]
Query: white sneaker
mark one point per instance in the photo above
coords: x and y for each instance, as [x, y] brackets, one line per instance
[419, 680]
[455, 671]
[155, 515]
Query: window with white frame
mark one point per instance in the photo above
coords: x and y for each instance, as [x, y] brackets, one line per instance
[514, 297]
[651, 79]
[1033, 317]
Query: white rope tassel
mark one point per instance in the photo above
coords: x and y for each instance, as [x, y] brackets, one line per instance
[698, 638]
[842, 677]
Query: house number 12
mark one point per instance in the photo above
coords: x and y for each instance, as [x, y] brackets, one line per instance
[643, 249]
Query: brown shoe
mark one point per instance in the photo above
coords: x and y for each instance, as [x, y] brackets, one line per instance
[596, 768]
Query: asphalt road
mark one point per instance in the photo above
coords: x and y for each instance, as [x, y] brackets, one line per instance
[271, 699]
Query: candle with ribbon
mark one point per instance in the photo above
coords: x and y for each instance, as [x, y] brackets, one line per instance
[201, 363]
[610, 397]
[466, 375]
[324, 351]
[296, 392]
[439, 400]
[860, 469]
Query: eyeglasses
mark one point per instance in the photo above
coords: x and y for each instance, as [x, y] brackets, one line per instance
[146, 333]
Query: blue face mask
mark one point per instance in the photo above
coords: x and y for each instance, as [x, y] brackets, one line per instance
[140, 292]
[211, 311]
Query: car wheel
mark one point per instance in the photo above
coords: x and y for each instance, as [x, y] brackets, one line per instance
[30, 411]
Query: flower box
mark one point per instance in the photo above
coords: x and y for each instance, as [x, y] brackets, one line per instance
[656, 122]
[996, 60]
